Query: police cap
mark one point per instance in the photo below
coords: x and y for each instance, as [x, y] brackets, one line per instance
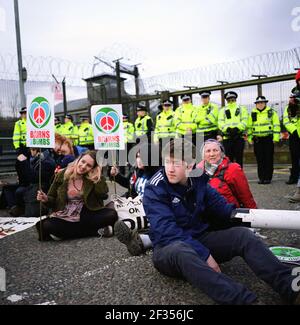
[141, 108]
[84, 117]
[261, 99]
[205, 93]
[23, 110]
[231, 94]
[70, 117]
[167, 103]
[186, 97]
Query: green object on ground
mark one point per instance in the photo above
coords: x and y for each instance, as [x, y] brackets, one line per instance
[287, 254]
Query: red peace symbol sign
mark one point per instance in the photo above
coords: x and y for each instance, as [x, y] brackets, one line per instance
[39, 115]
[107, 123]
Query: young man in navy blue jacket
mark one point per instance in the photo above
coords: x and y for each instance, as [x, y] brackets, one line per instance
[177, 206]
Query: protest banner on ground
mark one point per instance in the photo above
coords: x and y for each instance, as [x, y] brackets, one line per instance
[11, 226]
[40, 121]
[108, 127]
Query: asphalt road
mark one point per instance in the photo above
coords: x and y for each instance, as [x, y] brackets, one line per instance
[101, 271]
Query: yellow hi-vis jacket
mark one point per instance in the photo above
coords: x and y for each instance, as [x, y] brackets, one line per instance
[140, 125]
[233, 116]
[264, 123]
[165, 125]
[70, 131]
[290, 123]
[20, 132]
[128, 132]
[86, 134]
[58, 128]
[185, 119]
[207, 118]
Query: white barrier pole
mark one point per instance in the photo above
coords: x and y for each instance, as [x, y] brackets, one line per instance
[268, 219]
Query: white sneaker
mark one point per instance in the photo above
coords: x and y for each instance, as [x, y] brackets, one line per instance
[106, 232]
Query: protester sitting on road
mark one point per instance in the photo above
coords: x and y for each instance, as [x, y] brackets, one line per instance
[66, 155]
[177, 206]
[140, 173]
[77, 196]
[136, 181]
[59, 140]
[226, 177]
[64, 147]
[30, 175]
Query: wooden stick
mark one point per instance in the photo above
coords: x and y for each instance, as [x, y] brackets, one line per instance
[114, 178]
[40, 189]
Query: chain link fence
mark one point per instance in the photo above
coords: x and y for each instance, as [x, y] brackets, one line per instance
[41, 69]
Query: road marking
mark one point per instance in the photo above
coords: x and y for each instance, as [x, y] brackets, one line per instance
[106, 267]
[15, 298]
[47, 303]
[281, 173]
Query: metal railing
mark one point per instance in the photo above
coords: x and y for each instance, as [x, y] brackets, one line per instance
[7, 155]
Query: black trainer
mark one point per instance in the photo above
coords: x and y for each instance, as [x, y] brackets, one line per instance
[129, 237]
[291, 181]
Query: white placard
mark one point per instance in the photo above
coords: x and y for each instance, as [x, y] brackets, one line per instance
[11, 226]
[108, 127]
[40, 121]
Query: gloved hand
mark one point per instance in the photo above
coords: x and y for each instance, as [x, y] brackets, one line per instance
[233, 133]
[236, 133]
[229, 132]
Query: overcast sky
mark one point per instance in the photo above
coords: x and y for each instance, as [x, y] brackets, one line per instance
[164, 35]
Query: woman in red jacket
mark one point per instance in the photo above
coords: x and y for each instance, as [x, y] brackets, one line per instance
[226, 177]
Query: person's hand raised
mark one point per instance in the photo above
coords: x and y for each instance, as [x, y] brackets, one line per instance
[114, 171]
[42, 197]
[22, 158]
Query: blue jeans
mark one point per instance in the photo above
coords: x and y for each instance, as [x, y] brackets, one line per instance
[181, 260]
[20, 192]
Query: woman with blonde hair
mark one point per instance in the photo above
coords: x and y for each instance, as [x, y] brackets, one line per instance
[76, 197]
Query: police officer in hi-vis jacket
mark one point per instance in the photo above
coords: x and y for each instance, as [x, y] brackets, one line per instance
[233, 121]
[263, 132]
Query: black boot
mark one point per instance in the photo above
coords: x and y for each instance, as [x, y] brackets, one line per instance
[292, 181]
[16, 211]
